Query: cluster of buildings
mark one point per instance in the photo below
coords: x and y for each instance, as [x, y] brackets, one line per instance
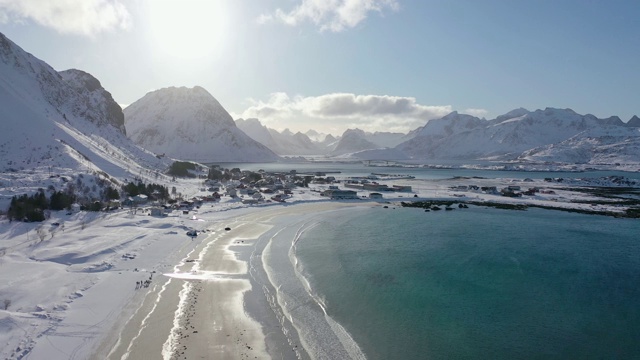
[510, 191]
[367, 185]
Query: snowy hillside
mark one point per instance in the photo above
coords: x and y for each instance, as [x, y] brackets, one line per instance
[190, 124]
[609, 145]
[61, 121]
[578, 137]
[100, 101]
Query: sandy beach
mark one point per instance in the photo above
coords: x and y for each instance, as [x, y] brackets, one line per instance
[199, 309]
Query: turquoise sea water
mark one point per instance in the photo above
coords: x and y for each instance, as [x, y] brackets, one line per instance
[478, 283]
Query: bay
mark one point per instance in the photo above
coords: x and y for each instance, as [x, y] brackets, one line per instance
[478, 282]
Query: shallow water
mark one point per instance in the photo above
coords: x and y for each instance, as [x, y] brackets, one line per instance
[477, 283]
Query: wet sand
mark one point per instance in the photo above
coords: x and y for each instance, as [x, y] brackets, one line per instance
[197, 310]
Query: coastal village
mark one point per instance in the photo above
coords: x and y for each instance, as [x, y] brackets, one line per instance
[245, 187]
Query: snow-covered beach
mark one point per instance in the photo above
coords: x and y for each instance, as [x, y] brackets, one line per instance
[125, 284]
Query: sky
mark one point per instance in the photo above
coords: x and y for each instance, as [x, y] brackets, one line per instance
[329, 65]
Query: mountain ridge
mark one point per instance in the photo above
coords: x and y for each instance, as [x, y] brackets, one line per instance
[52, 119]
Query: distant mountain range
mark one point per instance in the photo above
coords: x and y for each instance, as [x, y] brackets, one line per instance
[315, 143]
[67, 119]
[282, 143]
[549, 135]
[556, 135]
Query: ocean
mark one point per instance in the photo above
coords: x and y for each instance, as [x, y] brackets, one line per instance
[477, 283]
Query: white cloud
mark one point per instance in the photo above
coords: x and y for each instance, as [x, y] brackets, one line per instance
[81, 17]
[339, 111]
[476, 112]
[332, 15]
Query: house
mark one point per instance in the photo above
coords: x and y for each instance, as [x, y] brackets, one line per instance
[140, 199]
[509, 192]
[232, 192]
[375, 196]
[340, 194]
[489, 189]
[375, 187]
[185, 205]
[156, 211]
[354, 186]
[402, 188]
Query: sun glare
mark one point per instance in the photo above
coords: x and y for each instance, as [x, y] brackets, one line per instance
[188, 30]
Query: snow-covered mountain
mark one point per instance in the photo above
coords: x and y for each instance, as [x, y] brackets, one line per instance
[351, 141]
[190, 124]
[315, 136]
[105, 110]
[356, 140]
[258, 132]
[282, 143]
[61, 120]
[330, 141]
[314, 143]
[521, 134]
[606, 145]
[634, 121]
[289, 143]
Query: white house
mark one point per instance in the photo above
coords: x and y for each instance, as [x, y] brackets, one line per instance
[340, 194]
[140, 199]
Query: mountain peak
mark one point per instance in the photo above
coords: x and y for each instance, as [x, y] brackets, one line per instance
[60, 119]
[634, 121]
[99, 99]
[354, 132]
[190, 124]
[513, 114]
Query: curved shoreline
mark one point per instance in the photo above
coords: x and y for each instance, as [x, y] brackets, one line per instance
[221, 302]
[298, 306]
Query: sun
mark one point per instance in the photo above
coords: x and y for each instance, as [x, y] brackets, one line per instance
[188, 29]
